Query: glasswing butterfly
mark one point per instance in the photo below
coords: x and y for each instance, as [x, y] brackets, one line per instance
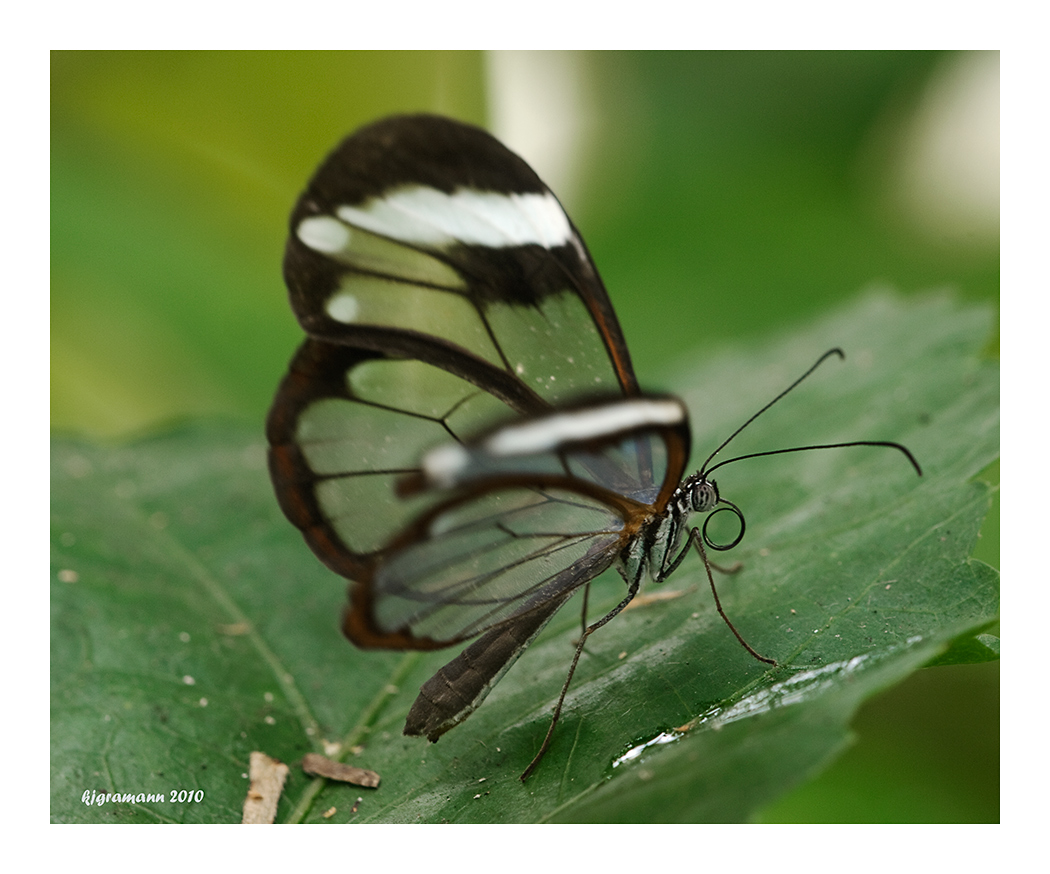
[462, 434]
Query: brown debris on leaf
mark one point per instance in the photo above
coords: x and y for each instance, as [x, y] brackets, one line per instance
[321, 766]
[267, 781]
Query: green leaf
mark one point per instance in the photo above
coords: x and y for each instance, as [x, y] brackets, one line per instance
[969, 649]
[191, 625]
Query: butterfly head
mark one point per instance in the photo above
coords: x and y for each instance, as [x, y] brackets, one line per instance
[697, 493]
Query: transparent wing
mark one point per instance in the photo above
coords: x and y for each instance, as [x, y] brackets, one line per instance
[482, 560]
[443, 290]
[634, 448]
[347, 424]
[427, 238]
[515, 532]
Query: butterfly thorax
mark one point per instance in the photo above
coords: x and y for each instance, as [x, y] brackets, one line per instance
[655, 546]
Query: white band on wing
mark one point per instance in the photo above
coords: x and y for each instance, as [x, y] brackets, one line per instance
[444, 464]
[425, 216]
[544, 434]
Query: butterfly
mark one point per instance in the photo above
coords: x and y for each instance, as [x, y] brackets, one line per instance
[462, 434]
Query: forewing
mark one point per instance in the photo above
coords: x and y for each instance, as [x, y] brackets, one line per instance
[424, 237]
[634, 449]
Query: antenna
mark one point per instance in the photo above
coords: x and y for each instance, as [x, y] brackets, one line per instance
[726, 442]
[888, 443]
[700, 537]
[705, 470]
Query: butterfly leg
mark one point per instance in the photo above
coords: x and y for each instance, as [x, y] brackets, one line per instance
[697, 541]
[631, 592]
[583, 612]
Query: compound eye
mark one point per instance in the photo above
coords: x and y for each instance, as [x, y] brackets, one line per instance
[704, 496]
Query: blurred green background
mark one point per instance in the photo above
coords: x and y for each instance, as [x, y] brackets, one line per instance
[722, 195]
